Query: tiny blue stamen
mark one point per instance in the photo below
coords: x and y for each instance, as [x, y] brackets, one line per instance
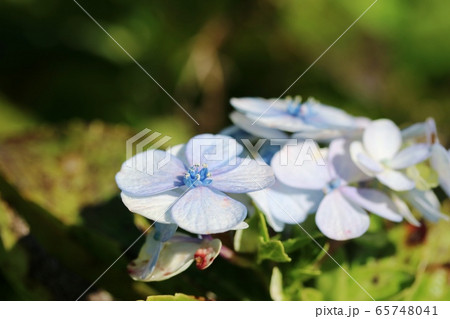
[294, 106]
[332, 185]
[197, 177]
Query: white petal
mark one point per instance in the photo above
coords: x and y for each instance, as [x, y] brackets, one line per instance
[204, 210]
[243, 122]
[440, 161]
[174, 258]
[404, 210]
[382, 139]
[340, 163]
[410, 156]
[155, 207]
[301, 166]
[395, 180]
[249, 176]
[372, 200]
[426, 203]
[361, 159]
[149, 173]
[339, 219]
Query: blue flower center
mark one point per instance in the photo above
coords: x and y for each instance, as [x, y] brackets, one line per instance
[196, 176]
[332, 185]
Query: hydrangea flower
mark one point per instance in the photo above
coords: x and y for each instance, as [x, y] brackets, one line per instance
[298, 203]
[311, 117]
[440, 157]
[341, 214]
[379, 155]
[186, 186]
[166, 254]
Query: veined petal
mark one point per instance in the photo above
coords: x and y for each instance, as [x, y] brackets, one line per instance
[440, 161]
[426, 203]
[248, 176]
[382, 139]
[301, 166]
[410, 156]
[286, 204]
[214, 150]
[243, 122]
[340, 164]
[372, 200]
[155, 207]
[395, 180]
[361, 159]
[149, 173]
[339, 219]
[204, 210]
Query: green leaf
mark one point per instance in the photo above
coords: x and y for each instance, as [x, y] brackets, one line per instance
[176, 297]
[296, 243]
[248, 240]
[272, 250]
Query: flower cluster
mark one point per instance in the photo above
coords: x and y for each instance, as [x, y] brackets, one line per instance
[292, 159]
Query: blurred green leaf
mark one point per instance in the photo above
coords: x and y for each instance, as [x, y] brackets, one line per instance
[176, 297]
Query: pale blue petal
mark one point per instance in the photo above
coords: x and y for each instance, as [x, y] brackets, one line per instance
[339, 219]
[143, 266]
[204, 210]
[301, 166]
[291, 205]
[164, 231]
[340, 164]
[410, 156]
[155, 207]
[414, 131]
[284, 122]
[150, 173]
[440, 161]
[372, 200]
[261, 200]
[213, 150]
[246, 124]
[382, 139]
[328, 116]
[258, 106]
[426, 203]
[248, 176]
[395, 180]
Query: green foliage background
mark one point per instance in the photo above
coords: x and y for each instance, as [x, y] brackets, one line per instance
[69, 99]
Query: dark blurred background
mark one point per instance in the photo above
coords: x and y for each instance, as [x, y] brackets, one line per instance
[70, 97]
